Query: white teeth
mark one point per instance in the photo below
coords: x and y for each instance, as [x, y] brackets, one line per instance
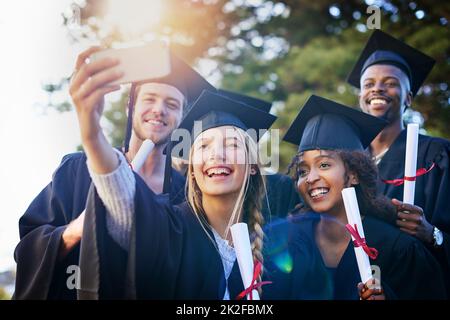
[218, 171]
[317, 192]
[157, 122]
[378, 101]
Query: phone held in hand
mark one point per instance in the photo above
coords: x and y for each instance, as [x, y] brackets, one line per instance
[150, 61]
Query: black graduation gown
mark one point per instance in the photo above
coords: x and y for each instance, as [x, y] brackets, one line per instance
[408, 270]
[432, 191]
[282, 197]
[170, 255]
[39, 273]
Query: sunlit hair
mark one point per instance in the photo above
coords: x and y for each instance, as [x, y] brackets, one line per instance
[248, 204]
[370, 201]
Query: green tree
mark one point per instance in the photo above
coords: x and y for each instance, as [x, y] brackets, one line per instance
[284, 51]
[324, 39]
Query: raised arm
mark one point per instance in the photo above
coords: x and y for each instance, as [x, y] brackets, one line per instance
[109, 171]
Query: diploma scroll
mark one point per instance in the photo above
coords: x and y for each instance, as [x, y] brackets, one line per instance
[241, 241]
[354, 219]
[409, 186]
[145, 149]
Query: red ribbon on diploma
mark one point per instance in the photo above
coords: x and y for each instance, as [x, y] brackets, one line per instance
[361, 242]
[419, 172]
[253, 285]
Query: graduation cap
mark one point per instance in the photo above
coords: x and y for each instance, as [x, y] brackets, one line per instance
[325, 124]
[188, 81]
[215, 110]
[382, 48]
[251, 101]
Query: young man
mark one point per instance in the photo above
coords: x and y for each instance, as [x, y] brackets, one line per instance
[389, 74]
[51, 228]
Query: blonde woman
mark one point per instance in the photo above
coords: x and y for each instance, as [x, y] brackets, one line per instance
[150, 249]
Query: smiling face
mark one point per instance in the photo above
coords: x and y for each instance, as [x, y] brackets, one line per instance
[158, 111]
[223, 167]
[219, 161]
[384, 92]
[321, 178]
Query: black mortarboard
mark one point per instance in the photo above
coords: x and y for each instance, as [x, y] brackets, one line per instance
[382, 48]
[251, 101]
[182, 76]
[215, 110]
[325, 124]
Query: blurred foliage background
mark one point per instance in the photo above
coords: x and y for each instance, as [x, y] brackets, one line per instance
[281, 51]
[4, 295]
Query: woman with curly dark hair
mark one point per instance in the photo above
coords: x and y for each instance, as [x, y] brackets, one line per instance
[331, 157]
[369, 200]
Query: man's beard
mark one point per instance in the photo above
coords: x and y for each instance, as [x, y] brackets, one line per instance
[385, 116]
[389, 116]
[141, 136]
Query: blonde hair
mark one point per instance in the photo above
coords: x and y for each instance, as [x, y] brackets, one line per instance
[248, 204]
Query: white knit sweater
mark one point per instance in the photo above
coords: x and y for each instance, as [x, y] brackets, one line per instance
[117, 189]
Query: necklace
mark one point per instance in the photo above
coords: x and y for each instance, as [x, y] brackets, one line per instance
[377, 158]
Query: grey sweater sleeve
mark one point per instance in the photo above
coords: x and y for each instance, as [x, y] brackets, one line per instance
[116, 190]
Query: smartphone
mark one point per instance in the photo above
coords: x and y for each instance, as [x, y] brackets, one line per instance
[146, 62]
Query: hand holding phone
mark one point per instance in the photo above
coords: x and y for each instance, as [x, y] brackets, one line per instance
[146, 62]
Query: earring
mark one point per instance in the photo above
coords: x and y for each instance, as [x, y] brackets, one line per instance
[252, 171]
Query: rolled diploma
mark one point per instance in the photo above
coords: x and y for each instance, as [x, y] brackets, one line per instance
[354, 217]
[410, 162]
[241, 241]
[145, 149]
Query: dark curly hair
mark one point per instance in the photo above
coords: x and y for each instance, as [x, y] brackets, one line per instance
[370, 201]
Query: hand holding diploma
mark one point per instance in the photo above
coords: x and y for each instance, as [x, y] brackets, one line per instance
[371, 290]
[411, 219]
